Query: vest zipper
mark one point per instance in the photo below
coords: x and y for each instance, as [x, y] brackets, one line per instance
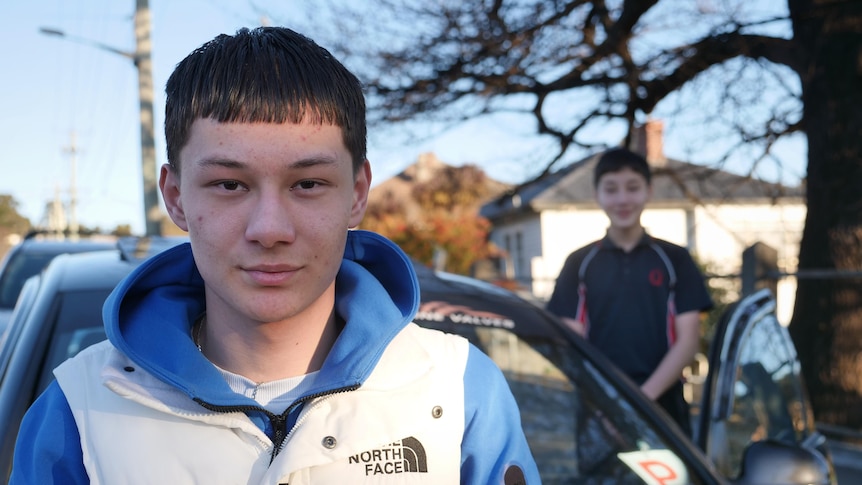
[277, 421]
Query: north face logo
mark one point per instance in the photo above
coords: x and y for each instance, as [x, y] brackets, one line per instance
[405, 456]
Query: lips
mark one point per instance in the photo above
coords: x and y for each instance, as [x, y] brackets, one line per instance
[271, 275]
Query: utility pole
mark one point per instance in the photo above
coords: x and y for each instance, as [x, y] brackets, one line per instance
[72, 150]
[55, 216]
[143, 62]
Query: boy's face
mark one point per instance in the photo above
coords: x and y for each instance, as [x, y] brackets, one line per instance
[267, 207]
[623, 196]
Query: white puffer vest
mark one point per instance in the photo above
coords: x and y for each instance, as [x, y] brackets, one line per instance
[404, 425]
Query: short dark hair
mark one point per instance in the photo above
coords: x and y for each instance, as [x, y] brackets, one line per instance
[267, 74]
[617, 159]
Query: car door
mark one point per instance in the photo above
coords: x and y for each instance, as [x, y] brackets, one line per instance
[585, 421]
[754, 392]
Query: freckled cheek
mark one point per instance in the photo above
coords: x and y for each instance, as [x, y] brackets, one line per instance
[198, 220]
[208, 221]
[329, 236]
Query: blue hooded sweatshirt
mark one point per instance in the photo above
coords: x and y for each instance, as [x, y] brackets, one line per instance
[147, 319]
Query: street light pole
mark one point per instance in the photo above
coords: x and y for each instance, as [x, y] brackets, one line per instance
[142, 60]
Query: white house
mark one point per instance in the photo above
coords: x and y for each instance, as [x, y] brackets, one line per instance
[713, 213]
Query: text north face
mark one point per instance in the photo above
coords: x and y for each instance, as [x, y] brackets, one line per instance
[405, 456]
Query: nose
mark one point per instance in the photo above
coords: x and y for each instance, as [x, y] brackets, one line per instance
[270, 220]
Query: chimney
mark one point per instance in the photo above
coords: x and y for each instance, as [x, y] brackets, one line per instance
[646, 140]
[654, 143]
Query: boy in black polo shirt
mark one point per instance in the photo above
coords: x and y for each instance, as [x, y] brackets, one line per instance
[638, 299]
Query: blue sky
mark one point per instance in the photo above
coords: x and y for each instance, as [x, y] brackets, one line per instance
[54, 89]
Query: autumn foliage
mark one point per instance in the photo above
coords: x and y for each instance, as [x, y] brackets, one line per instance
[440, 214]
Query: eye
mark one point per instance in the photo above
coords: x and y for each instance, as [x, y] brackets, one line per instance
[306, 185]
[229, 185]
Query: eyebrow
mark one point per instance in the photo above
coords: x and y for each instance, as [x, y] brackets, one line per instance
[219, 162]
[235, 164]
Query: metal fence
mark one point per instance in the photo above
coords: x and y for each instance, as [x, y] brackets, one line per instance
[760, 270]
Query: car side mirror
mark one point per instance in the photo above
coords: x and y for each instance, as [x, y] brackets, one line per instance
[776, 462]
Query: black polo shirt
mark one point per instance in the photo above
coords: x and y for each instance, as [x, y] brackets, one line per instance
[627, 295]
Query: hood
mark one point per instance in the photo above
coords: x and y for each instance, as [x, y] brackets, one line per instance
[148, 317]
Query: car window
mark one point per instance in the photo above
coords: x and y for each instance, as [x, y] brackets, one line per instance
[581, 429]
[78, 325]
[18, 269]
[10, 333]
[767, 401]
[754, 390]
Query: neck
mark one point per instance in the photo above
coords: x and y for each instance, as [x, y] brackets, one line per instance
[268, 351]
[626, 238]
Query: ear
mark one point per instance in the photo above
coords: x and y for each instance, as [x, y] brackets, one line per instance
[169, 183]
[361, 187]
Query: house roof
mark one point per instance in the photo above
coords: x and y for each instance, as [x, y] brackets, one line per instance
[675, 183]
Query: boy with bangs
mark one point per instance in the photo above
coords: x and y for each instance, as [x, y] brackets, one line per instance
[278, 345]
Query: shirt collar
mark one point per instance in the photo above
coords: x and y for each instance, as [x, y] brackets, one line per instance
[608, 243]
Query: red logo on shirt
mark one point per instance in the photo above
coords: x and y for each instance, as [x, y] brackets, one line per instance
[656, 277]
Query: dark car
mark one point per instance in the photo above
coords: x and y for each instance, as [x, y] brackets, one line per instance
[585, 421]
[31, 256]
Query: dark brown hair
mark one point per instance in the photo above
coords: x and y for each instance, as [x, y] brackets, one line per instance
[270, 75]
[617, 159]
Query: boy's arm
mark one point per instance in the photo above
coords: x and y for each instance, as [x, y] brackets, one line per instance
[575, 325]
[680, 354]
[48, 447]
[691, 300]
[494, 448]
[564, 299]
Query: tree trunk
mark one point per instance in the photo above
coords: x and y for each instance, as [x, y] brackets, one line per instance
[827, 320]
